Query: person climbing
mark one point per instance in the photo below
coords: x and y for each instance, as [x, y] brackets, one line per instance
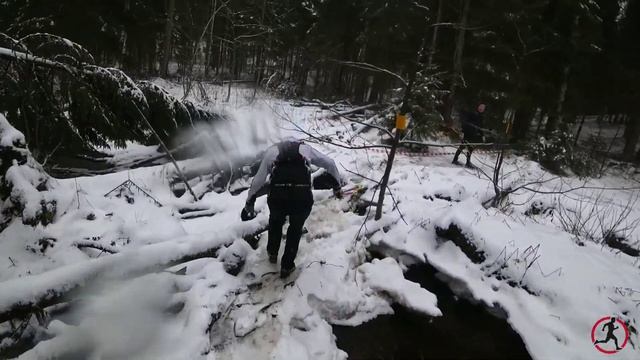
[472, 132]
[289, 194]
[610, 328]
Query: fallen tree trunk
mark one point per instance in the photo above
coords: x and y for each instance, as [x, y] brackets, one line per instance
[355, 110]
[23, 296]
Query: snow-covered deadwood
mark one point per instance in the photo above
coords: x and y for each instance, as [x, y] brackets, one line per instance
[25, 188]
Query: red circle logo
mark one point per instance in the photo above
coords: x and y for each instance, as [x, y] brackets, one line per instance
[606, 341]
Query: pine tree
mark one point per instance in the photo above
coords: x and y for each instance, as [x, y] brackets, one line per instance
[86, 106]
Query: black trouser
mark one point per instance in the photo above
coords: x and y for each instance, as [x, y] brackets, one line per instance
[296, 204]
[469, 151]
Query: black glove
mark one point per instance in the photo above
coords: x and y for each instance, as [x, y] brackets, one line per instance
[337, 192]
[248, 212]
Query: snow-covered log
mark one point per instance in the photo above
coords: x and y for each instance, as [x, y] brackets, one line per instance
[22, 296]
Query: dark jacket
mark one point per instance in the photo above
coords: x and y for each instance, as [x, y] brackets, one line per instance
[472, 124]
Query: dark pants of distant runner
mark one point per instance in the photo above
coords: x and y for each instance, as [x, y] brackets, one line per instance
[460, 149]
[296, 204]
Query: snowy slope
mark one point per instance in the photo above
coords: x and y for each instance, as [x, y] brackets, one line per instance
[136, 303]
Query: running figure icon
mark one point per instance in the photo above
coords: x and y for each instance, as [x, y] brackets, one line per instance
[609, 327]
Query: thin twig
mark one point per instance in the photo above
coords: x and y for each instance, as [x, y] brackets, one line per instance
[322, 263]
[395, 203]
[93, 245]
[371, 67]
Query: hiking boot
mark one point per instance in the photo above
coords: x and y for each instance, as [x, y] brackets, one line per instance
[469, 165]
[284, 273]
[273, 259]
[455, 162]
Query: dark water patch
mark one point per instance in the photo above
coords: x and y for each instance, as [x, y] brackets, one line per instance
[440, 196]
[465, 331]
[458, 237]
[621, 243]
[14, 349]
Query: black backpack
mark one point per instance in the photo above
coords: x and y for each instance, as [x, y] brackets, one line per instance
[290, 168]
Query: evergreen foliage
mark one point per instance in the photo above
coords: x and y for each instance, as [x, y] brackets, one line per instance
[83, 105]
[556, 58]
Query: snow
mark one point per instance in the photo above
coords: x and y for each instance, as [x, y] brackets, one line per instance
[132, 152]
[573, 285]
[28, 186]
[386, 276]
[550, 285]
[10, 136]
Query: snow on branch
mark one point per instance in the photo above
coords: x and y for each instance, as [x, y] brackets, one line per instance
[42, 43]
[18, 55]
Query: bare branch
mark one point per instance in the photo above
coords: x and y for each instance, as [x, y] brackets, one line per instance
[360, 175]
[423, 7]
[395, 203]
[343, 114]
[327, 140]
[370, 67]
[411, 142]
[384, 130]
[46, 159]
[559, 192]
[18, 55]
[457, 26]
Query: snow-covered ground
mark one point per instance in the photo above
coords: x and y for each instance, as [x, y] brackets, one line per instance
[135, 302]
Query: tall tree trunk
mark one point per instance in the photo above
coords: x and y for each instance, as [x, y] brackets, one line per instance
[404, 109]
[457, 62]
[557, 117]
[434, 36]
[231, 71]
[209, 44]
[575, 142]
[220, 64]
[522, 122]
[239, 65]
[168, 31]
[260, 50]
[285, 58]
[631, 137]
[257, 70]
[384, 182]
[540, 120]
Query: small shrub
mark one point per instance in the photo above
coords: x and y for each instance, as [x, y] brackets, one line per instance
[557, 154]
[425, 99]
